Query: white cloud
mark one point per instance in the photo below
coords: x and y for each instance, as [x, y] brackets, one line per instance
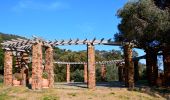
[35, 5]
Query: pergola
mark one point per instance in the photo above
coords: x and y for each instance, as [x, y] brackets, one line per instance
[22, 48]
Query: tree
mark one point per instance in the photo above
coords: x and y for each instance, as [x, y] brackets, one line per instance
[144, 24]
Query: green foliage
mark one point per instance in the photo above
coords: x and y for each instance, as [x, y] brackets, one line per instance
[45, 75]
[142, 22]
[112, 73]
[77, 75]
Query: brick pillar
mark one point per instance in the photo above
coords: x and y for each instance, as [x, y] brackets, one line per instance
[49, 65]
[129, 78]
[136, 67]
[103, 72]
[166, 60]
[68, 73]
[91, 66]
[23, 70]
[37, 66]
[8, 68]
[151, 66]
[85, 73]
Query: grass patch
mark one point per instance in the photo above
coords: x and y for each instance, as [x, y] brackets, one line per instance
[50, 97]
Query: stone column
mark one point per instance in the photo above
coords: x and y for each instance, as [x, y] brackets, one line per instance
[8, 68]
[129, 78]
[91, 66]
[49, 67]
[85, 73]
[136, 67]
[166, 60]
[68, 73]
[37, 66]
[103, 71]
[23, 70]
[151, 66]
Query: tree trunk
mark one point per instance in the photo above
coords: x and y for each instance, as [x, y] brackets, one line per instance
[151, 66]
[166, 61]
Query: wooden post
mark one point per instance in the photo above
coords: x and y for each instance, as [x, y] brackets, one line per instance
[68, 73]
[91, 66]
[129, 80]
[103, 72]
[8, 68]
[85, 73]
[37, 66]
[49, 65]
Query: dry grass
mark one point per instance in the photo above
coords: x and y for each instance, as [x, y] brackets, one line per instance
[22, 93]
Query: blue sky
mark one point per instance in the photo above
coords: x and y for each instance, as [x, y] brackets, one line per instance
[62, 19]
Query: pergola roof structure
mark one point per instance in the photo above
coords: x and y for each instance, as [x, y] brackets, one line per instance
[26, 44]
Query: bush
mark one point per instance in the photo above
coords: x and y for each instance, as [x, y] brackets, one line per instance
[78, 76]
[45, 75]
[1, 78]
[111, 73]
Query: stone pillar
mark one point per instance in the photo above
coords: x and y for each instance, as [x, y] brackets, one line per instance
[103, 71]
[8, 68]
[24, 76]
[37, 66]
[136, 67]
[151, 66]
[166, 61]
[85, 73]
[91, 66]
[129, 78]
[68, 73]
[49, 67]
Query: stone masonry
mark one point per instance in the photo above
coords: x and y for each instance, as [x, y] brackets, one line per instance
[129, 78]
[49, 66]
[8, 68]
[103, 71]
[37, 66]
[85, 73]
[68, 73]
[91, 67]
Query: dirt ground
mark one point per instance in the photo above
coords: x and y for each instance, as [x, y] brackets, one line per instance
[64, 91]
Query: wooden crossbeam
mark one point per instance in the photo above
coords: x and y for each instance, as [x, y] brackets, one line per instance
[102, 62]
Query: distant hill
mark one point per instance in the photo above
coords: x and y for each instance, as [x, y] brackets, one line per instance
[4, 37]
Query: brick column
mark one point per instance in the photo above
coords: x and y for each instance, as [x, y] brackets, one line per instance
[151, 66]
[136, 67]
[91, 66]
[49, 65]
[23, 70]
[129, 78]
[85, 73]
[103, 71]
[37, 66]
[8, 68]
[68, 73]
[166, 60]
